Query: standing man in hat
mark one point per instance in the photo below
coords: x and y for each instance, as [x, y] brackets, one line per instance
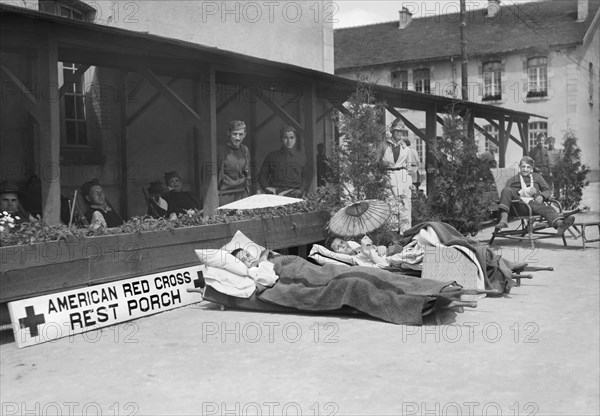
[400, 164]
[10, 202]
[178, 200]
[100, 213]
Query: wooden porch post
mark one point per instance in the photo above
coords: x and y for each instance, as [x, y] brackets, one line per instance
[503, 141]
[252, 143]
[431, 133]
[310, 132]
[525, 137]
[197, 181]
[49, 128]
[208, 149]
[123, 144]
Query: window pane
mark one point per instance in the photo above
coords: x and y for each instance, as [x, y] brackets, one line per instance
[400, 79]
[69, 106]
[71, 132]
[77, 15]
[48, 7]
[82, 132]
[80, 108]
[65, 12]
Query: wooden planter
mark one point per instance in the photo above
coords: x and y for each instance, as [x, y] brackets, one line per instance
[32, 270]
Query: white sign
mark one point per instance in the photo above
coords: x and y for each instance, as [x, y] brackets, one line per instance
[54, 316]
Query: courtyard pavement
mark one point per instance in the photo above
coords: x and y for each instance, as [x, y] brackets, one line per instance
[532, 352]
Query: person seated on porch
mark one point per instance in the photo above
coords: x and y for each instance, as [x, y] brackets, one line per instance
[178, 200]
[100, 214]
[10, 202]
[531, 188]
[284, 171]
[233, 164]
[157, 206]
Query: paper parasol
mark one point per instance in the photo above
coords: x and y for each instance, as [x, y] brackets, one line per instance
[359, 218]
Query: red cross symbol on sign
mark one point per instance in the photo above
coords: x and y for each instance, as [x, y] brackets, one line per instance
[32, 321]
[200, 282]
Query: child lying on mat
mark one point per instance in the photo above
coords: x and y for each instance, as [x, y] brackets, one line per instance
[262, 271]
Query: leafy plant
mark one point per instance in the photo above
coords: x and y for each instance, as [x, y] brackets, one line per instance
[356, 169]
[570, 173]
[356, 173]
[460, 184]
[38, 231]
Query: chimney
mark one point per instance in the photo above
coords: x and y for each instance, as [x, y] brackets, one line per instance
[493, 8]
[405, 18]
[582, 10]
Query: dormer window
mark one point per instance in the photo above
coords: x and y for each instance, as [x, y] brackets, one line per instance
[422, 80]
[400, 79]
[71, 9]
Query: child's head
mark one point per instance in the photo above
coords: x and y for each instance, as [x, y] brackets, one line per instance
[243, 256]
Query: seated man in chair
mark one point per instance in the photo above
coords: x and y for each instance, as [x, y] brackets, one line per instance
[531, 188]
[100, 214]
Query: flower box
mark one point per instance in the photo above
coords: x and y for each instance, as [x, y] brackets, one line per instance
[32, 270]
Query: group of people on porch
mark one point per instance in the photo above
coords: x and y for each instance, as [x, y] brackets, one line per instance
[285, 172]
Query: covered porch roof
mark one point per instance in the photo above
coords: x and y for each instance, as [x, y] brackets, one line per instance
[46, 39]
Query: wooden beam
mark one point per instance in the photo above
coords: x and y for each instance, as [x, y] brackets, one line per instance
[513, 138]
[31, 102]
[123, 143]
[228, 100]
[196, 145]
[280, 111]
[173, 98]
[253, 145]
[408, 124]
[503, 141]
[310, 133]
[524, 133]
[147, 104]
[71, 78]
[325, 113]
[49, 128]
[340, 107]
[430, 162]
[471, 128]
[270, 117]
[525, 138]
[208, 149]
[486, 134]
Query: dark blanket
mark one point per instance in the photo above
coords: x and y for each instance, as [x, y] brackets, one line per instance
[497, 275]
[392, 297]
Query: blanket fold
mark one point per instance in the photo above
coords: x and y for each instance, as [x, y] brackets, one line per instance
[497, 274]
[392, 297]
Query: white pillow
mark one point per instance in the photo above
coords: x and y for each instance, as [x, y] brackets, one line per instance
[229, 283]
[222, 260]
[239, 240]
